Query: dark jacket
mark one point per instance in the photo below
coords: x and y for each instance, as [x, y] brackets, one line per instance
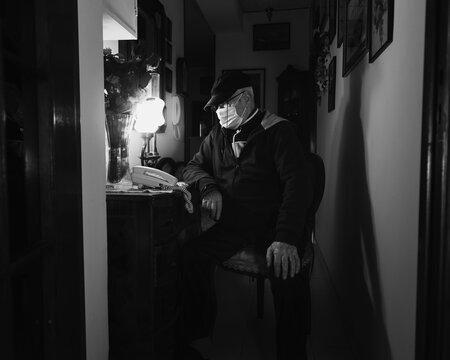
[266, 191]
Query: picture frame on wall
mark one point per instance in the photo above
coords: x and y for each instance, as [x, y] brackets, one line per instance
[332, 5]
[381, 27]
[332, 84]
[340, 22]
[355, 38]
[258, 80]
[273, 36]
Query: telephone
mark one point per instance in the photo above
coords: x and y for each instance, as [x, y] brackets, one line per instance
[159, 179]
[152, 177]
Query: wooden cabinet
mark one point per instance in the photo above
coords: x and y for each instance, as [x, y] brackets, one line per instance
[142, 274]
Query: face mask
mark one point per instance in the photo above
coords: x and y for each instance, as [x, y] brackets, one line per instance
[229, 118]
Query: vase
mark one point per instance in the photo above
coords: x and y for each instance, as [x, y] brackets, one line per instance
[118, 128]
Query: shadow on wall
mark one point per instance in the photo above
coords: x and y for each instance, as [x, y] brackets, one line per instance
[357, 274]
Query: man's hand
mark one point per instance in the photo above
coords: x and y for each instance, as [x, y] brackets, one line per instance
[285, 258]
[212, 201]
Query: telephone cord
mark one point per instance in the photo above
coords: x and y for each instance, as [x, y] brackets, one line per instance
[182, 186]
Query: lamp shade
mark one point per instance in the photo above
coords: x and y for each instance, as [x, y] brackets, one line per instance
[149, 115]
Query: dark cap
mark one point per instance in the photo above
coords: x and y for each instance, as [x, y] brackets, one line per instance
[226, 85]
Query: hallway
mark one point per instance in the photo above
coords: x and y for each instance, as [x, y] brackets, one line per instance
[240, 336]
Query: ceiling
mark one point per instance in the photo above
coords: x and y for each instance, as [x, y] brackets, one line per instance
[218, 16]
[226, 15]
[261, 5]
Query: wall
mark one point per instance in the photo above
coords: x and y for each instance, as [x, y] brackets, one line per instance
[167, 144]
[92, 116]
[235, 50]
[119, 19]
[368, 220]
[93, 162]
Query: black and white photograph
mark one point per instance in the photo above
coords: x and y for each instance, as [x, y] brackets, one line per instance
[272, 36]
[332, 84]
[355, 35]
[224, 180]
[381, 22]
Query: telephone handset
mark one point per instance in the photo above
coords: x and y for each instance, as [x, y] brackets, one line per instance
[152, 177]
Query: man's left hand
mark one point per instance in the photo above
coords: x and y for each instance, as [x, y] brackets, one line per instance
[285, 259]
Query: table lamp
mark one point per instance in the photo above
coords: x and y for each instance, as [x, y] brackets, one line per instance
[149, 117]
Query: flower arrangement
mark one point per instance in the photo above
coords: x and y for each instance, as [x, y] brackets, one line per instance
[126, 81]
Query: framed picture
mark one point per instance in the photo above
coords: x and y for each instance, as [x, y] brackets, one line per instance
[332, 4]
[273, 36]
[355, 38]
[168, 79]
[182, 77]
[332, 84]
[258, 80]
[340, 22]
[381, 26]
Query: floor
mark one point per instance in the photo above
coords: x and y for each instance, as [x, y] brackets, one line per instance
[239, 335]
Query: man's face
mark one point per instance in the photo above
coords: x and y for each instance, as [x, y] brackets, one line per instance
[238, 99]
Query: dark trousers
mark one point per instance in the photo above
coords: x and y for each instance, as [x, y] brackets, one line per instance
[199, 259]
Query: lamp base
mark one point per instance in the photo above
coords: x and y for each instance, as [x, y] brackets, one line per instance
[149, 159]
[149, 153]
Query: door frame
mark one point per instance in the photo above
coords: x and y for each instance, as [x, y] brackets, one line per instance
[433, 287]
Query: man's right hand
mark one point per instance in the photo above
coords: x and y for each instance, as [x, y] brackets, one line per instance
[212, 201]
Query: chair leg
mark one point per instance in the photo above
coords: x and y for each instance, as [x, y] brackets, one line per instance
[260, 296]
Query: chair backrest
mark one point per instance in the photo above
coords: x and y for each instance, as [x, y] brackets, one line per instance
[318, 168]
[318, 180]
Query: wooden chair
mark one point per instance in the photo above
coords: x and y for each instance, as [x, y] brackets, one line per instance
[248, 262]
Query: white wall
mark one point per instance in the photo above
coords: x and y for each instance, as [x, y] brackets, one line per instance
[119, 19]
[235, 50]
[168, 146]
[368, 220]
[92, 115]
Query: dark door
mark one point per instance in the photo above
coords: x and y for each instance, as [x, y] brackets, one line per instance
[41, 257]
[433, 290]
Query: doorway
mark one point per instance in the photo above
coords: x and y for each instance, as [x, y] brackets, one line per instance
[199, 52]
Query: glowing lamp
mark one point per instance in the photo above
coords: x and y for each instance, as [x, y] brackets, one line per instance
[149, 117]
